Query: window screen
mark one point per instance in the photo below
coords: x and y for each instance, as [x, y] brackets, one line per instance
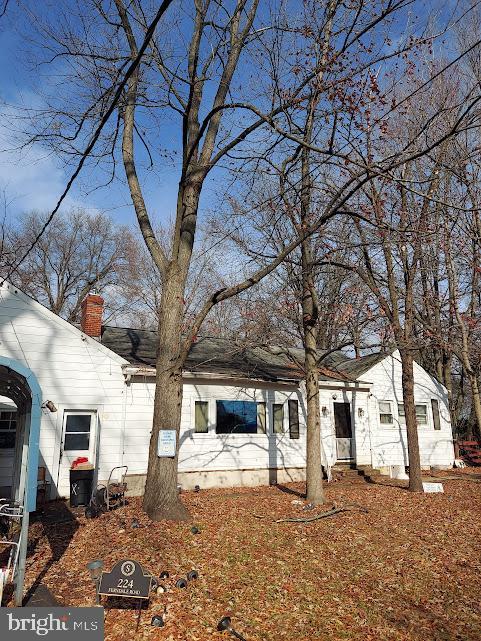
[436, 417]
[293, 407]
[77, 432]
[278, 418]
[421, 414]
[201, 417]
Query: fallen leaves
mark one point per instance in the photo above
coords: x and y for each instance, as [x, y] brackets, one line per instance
[408, 570]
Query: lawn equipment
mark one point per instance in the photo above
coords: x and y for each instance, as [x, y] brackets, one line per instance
[109, 496]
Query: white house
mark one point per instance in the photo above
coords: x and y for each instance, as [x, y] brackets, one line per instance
[243, 412]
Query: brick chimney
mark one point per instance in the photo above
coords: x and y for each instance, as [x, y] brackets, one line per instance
[91, 316]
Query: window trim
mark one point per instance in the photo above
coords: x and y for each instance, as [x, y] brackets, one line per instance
[390, 413]
[92, 432]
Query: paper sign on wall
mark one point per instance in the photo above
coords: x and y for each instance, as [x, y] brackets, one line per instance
[433, 487]
[166, 443]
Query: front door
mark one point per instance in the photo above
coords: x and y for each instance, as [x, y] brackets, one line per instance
[79, 432]
[342, 420]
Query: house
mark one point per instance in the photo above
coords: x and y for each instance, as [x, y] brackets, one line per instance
[243, 411]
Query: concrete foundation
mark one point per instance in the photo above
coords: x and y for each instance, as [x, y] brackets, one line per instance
[224, 478]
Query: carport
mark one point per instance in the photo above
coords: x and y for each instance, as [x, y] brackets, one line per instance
[18, 383]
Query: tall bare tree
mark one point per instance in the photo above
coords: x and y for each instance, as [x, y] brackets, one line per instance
[217, 70]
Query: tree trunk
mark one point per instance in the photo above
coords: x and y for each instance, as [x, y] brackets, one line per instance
[161, 498]
[315, 490]
[415, 478]
[476, 404]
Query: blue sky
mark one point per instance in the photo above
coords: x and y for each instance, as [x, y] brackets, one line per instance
[34, 178]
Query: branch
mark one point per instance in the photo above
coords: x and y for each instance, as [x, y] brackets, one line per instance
[85, 154]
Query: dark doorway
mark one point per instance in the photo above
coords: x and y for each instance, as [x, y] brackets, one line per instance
[342, 421]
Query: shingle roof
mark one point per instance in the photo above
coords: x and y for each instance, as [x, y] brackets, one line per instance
[356, 367]
[218, 356]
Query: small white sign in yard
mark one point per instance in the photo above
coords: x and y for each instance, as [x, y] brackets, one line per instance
[433, 487]
[166, 443]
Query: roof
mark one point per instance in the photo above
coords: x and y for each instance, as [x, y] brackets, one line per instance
[218, 356]
[356, 367]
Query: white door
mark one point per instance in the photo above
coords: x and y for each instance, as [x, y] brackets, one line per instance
[78, 439]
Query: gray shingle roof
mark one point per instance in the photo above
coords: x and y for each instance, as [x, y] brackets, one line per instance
[218, 356]
[356, 367]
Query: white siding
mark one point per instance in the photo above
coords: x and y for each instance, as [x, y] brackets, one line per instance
[73, 371]
[209, 451]
[389, 443]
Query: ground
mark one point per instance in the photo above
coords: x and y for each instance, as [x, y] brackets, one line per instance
[408, 569]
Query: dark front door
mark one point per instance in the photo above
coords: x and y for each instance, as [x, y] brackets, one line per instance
[342, 421]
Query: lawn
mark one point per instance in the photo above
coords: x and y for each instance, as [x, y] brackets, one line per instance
[407, 569]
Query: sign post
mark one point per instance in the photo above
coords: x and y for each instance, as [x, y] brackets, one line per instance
[127, 580]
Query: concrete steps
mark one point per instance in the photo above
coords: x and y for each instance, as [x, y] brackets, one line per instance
[355, 474]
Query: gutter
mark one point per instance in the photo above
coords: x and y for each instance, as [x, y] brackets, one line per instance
[146, 370]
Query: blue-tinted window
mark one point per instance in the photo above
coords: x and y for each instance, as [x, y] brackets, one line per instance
[236, 417]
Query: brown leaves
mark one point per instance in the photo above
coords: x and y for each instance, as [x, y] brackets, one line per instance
[406, 571]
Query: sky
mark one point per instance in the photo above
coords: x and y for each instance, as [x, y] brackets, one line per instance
[33, 178]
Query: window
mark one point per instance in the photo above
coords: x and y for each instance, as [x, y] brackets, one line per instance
[8, 426]
[236, 417]
[201, 419]
[421, 414]
[77, 432]
[385, 412]
[436, 417]
[400, 412]
[293, 407]
[278, 418]
[261, 418]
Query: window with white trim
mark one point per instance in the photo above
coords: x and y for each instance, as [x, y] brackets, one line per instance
[385, 413]
[421, 413]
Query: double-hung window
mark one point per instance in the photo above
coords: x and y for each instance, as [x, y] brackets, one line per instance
[385, 413]
[421, 413]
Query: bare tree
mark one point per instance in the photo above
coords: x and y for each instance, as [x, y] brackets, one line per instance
[79, 252]
[225, 118]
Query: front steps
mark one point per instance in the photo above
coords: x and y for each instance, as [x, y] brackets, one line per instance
[352, 473]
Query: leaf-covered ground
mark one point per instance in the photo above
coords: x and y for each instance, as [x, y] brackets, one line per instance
[408, 569]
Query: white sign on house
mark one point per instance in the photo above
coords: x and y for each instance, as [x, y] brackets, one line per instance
[166, 443]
